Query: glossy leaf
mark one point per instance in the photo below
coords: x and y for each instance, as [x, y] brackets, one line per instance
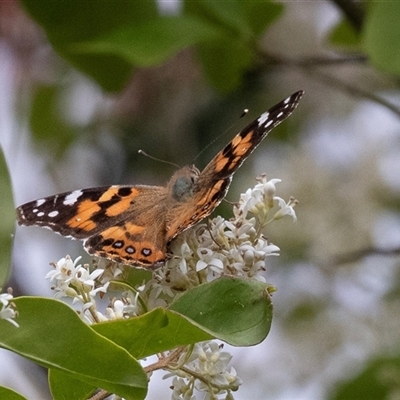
[51, 334]
[151, 333]
[235, 310]
[65, 386]
[9, 394]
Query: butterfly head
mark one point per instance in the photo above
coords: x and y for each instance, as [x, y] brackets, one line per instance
[182, 183]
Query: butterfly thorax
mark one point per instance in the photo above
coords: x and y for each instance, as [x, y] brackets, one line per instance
[182, 183]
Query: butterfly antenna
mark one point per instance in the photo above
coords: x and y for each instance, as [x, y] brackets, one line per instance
[143, 153]
[245, 111]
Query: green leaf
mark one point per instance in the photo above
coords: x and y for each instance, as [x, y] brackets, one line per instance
[76, 21]
[239, 19]
[149, 43]
[235, 310]
[135, 276]
[51, 334]
[381, 35]
[152, 333]
[65, 387]
[7, 224]
[6, 393]
[379, 380]
[226, 58]
[344, 35]
[261, 14]
[224, 62]
[107, 40]
[46, 121]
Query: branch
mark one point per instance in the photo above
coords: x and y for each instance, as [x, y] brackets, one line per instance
[368, 251]
[308, 65]
[314, 61]
[356, 91]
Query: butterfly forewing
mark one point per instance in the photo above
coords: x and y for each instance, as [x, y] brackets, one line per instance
[134, 224]
[231, 157]
[214, 180]
[80, 213]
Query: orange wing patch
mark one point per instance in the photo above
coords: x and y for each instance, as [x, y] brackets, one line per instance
[122, 205]
[82, 219]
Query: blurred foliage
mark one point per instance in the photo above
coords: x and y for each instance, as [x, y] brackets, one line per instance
[7, 218]
[46, 119]
[345, 36]
[381, 36]
[108, 40]
[379, 380]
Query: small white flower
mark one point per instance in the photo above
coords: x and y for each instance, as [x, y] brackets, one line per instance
[267, 188]
[181, 390]
[208, 360]
[285, 208]
[8, 312]
[64, 270]
[5, 298]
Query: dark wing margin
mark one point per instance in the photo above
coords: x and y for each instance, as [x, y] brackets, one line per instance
[231, 157]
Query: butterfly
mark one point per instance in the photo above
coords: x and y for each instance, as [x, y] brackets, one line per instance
[133, 225]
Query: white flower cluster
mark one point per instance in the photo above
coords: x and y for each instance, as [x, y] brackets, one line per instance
[205, 370]
[75, 281]
[232, 247]
[8, 311]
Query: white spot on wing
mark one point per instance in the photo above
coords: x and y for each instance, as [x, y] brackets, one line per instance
[53, 214]
[263, 118]
[40, 202]
[71, 198]
[40, 214]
